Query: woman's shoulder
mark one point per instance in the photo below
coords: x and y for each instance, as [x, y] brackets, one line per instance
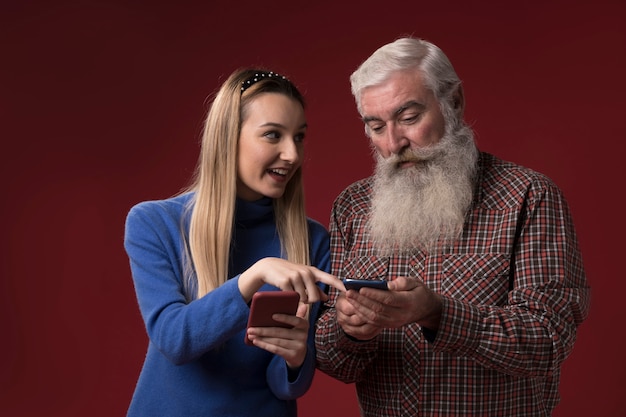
[316, 227]
[164, 212]
[318, 235]
[169, 205]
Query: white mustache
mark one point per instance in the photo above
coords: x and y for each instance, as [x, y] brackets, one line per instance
[420, 155]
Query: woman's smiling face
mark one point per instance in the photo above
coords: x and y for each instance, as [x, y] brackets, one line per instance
[270, 147]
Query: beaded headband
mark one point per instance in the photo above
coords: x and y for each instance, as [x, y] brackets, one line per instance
[258, 76]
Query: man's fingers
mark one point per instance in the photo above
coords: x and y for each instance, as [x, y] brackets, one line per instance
[404, 284]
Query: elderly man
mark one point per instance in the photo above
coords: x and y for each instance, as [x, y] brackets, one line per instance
[486, 285]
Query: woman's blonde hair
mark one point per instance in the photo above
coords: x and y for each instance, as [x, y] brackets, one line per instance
[215, 186]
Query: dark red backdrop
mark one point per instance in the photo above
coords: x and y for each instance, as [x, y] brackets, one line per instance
[101, 104]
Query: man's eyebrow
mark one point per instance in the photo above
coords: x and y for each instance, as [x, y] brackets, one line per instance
[409, 105]
[367, 119]
[404, 107]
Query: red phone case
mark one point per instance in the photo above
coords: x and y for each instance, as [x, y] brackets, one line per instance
[266, 303]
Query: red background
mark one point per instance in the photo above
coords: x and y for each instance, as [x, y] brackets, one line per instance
[101, 105]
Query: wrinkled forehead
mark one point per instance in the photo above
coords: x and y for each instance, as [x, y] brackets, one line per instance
[394, 94]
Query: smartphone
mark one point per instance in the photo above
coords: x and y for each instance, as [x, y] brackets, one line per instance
[266, 303]
[357, 284]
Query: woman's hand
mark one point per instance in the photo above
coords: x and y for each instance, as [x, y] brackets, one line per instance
[289, 343]
[287, 276]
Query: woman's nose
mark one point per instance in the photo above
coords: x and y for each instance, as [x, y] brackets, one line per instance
[289, 151]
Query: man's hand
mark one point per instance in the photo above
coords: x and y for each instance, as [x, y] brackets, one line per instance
[352, 323]
[408, 300]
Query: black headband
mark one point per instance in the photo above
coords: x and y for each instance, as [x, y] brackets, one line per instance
[258, 76]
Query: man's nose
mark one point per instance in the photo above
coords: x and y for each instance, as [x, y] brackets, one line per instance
[396, 140]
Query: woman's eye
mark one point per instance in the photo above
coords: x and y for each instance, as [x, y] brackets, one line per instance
[272, 135]
[299, 137]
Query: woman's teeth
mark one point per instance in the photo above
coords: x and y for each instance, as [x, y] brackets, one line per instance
[279, 171]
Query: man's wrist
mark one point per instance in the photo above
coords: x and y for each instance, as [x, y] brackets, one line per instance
[431, 321]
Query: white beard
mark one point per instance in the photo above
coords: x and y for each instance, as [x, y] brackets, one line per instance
[423, 207]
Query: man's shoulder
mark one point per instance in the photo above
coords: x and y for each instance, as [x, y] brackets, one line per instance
[354, 199]
[497, 169]
[358, 191]
[510, 181]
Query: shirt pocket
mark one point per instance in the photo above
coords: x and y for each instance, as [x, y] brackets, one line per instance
[476, 278]
[366, 267]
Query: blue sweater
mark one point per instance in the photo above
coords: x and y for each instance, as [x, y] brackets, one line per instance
[197, 363]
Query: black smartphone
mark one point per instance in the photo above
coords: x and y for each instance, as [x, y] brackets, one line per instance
[266, 303]
[357, 284]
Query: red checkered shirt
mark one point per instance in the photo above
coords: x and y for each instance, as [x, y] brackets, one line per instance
[514, 291]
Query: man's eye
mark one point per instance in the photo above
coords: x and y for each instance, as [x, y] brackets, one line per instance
[377, 128]
[410, 119]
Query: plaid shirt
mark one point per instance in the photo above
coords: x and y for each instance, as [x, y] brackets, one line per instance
[514, 291]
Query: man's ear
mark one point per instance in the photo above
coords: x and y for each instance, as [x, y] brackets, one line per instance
[458, 101]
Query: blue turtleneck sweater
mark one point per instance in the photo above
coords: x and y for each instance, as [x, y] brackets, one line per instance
[197, 363]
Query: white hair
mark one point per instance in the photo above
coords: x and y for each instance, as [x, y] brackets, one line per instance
[405, 54]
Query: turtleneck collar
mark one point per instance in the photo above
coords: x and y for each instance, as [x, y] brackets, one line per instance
[253, 211]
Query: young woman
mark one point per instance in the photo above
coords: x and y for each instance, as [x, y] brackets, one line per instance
[198, 258]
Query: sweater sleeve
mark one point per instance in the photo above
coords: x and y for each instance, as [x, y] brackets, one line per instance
[181, 330]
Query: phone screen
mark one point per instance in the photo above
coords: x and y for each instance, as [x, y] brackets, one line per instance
[357, 284]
